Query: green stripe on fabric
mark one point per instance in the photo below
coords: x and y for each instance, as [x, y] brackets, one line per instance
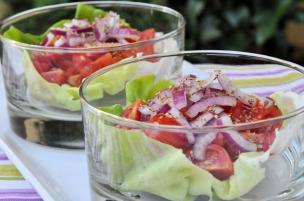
[9, 171]
[268, 81]
[12, 178]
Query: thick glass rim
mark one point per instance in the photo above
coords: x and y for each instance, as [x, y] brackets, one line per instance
[143, 125]
[32, 12]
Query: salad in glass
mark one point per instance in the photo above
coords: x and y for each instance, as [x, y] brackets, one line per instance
[77, 39]
[185, 135]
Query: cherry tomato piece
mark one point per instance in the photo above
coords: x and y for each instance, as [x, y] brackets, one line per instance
[242, 113]
[178, 140]
[102, 61]
[80, 60]
[131, 112]
[55, 76]
[217, 162]
[75, 80]
[41, 66]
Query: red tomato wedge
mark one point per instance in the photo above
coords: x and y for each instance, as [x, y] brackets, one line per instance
[132, 112]
[41, 66]
[102, 61]
[242, 113]
[178, 140]
[75, 80]
[80, 60]
[55, 76]
[147, 34]
[217, 162]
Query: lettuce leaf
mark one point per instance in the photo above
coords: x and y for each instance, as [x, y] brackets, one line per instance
[84, 11]
[137, 163]
[114, 109]
[145, 87]
[15, 34]
[67, 97]
[288, 101]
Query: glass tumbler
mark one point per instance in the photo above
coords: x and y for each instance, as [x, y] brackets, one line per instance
[126, 164]
[49, 113]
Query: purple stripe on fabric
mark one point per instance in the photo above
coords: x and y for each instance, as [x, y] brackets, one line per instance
[3, 157]
[21, 199]
[26, 193]
[29, 190]
[276, 72]
[3, 194]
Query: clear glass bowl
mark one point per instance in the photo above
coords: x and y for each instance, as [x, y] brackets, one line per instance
[124, 164]
[48, 113]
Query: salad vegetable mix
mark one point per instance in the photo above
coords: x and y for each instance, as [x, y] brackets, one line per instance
[91, 28]
[185, 165]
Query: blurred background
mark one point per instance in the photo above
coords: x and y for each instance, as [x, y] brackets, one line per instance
[273, 27]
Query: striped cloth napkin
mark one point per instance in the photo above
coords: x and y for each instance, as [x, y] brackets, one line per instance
[13, 187]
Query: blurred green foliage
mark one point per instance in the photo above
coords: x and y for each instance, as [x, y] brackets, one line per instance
[255, 26]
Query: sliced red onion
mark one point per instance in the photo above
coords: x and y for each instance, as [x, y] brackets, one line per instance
[60, 42]
[146, 110]
[202, 120]
[58, 32]
[45, 41]
[80, 23]
[213, 101]
[183, 121]
[85, 30]
[102, 25]
[164, 109]
[179, 97]
[201, 144]
[162, 98]
[215, 110]
[193, 85]
[223, 120]
[232, 90]
[215, 86]
[75, 41]
[196, 96]
[99, 30]
[238, 142]
[112, 20]
[121, 33]
[49, 37]
[212, 92]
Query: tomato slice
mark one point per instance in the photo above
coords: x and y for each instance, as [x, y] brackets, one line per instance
[217, 162]
[147, 34]
[75, 80]
[41, 66]
[55, 76]
[269, 131]
[132, 112]
[102, 61]
[80, 60]
[242, 113]
[178, 140]
[64, 62]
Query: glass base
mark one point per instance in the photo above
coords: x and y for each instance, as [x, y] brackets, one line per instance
[284, 180]
[46, 131]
